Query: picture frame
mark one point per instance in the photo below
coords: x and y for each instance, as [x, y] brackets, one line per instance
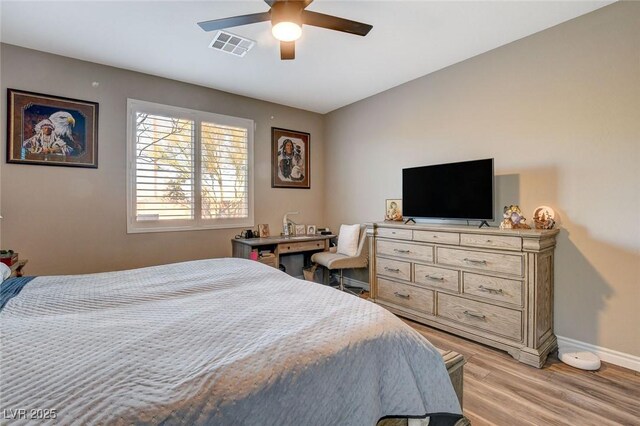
[290, 159]
[312, 230]
[51, 130]
[263, 230]
[393, 210]
[300, 230]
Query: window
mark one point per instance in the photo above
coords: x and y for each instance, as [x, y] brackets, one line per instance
[187, 169]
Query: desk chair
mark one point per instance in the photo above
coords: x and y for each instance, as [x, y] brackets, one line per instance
[332, 260]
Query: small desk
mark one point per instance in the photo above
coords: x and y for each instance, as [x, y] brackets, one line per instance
[242, 247]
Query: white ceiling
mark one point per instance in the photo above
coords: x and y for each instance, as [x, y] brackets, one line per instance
[332, 69]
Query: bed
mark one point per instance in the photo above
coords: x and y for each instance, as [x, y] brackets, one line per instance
[221, 341]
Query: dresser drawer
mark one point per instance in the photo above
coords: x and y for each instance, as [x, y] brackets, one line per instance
[445, 279]
[405, 250]
[416, 298]
[511, 264]
[400, 234]
[491, 241]
[501, 289]
[437, 237]
[300, 246]
[493, 319]
[393, 268]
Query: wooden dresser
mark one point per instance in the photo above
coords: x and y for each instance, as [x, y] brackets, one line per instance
[489, 285]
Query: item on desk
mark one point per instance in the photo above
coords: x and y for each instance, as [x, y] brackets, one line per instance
[301, 230]
[311, 230]
[286, 226]
[8, 257]
[247, 233]
[263, 230]
[324, 231]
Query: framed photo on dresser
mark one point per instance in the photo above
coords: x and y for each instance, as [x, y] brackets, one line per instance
[393, 210]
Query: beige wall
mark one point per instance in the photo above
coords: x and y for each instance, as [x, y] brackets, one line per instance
[560, 113]
[69, 220]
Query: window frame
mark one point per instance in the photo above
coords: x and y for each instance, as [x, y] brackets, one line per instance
[198, 223]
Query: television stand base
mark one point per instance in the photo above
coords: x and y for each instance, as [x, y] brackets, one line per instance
[409, 220]
[483, 223]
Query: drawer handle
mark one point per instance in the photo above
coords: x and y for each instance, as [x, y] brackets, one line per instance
[401, 251]
[386, 268]
[489, 241]
[433, 278]
[474, 315]
[475, 262]
[490, 290]
[402, 295]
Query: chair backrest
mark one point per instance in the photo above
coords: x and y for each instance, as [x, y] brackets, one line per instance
[363, 247]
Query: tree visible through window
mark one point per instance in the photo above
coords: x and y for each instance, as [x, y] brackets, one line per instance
[225, 157]
[190, 170]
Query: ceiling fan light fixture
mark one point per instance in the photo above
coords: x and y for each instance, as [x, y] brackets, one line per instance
[287, 18]
[286, 31]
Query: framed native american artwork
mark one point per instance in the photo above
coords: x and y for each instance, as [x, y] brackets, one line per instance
[51, 130]
[289, 159]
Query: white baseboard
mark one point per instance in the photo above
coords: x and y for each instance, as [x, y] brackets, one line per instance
[622, 359]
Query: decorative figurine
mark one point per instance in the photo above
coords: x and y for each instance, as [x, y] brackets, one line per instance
[513, 218]
[544, 217]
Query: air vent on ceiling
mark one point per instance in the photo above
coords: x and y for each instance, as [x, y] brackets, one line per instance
[231, 43]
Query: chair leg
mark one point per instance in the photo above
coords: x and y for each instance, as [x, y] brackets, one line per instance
[341, 287]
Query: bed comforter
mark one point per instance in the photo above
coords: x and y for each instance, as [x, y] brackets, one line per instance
[224, 342]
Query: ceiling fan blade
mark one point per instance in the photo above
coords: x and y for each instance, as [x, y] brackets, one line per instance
[287, 50]
[334, 23]
[235, 21]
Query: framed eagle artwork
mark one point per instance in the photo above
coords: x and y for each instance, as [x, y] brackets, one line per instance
[51, 130]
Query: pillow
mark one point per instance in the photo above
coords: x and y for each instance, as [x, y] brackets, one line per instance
[5, 272]
[348, 239]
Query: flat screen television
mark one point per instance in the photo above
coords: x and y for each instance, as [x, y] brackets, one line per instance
[449, 191]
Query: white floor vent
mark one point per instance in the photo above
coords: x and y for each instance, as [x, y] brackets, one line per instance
[231, 43]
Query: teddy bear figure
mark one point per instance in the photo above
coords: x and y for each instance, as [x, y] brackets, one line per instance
[513, 219]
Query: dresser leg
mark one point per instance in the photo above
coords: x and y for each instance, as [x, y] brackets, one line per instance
[535, 357]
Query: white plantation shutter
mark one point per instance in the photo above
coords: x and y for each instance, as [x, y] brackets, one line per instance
[225, 171]
[165, 172]
[187, 169]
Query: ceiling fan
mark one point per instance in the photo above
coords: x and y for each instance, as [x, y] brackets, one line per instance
[287, 18]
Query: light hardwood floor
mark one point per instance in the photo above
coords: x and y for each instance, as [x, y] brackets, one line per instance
[501, 391]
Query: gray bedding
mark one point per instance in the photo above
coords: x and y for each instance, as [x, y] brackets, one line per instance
[224, 342]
